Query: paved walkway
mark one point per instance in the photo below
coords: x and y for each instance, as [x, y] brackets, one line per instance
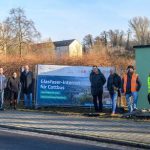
[113, 129]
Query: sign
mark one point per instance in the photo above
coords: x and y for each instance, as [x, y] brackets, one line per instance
[66, 86]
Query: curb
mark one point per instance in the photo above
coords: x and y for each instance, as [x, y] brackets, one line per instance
[47, 112]
[94, 115]
[84, 137]
[71, 113]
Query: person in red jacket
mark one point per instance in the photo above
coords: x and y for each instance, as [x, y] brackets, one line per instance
[130, 86]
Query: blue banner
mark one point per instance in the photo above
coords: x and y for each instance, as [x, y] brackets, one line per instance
[60, 90]
[66, 86]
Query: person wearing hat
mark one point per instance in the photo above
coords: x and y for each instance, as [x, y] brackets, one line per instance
[97, 80]
[130, 86]
[148, 83]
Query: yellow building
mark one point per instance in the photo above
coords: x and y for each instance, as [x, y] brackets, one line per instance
[71, 48]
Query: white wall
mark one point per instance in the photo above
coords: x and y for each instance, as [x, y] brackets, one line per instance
[75, 49]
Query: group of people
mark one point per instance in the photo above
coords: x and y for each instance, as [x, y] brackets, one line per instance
[17, 86]
[129, 85]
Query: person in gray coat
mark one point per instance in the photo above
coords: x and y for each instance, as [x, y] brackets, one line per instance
[3, 83]
[97, 80]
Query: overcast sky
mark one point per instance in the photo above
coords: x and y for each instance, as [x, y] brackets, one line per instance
[67, 19]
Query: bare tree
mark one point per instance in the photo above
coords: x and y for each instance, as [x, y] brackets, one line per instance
[128, 46]
[104, 36]
[98, 40]
[88, 41]
[23, 30]
[5, 37]
[113, 37]
[99, 45]
[121, 38]
[141, 27]
[116, 38]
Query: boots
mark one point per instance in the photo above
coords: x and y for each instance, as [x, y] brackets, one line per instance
[11, 105]
[15, 104]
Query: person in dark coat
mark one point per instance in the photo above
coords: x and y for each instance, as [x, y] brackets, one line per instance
[13, 86]
[26, 79]
[97, 80]
[114, 86]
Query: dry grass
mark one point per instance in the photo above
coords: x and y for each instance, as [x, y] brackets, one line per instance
[13, 63]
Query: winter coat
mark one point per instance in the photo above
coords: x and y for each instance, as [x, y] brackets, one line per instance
[27, 82]
[114, 83]
[13, 84]
[97, 82]
[3, 82]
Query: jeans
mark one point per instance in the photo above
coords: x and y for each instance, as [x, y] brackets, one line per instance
[28, 100]
[132, 105]
[114, 97]
[1, 98]
[99, 96]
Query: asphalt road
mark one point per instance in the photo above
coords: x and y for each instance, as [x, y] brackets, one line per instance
[16, 141]
[117, 129]
[23, 140]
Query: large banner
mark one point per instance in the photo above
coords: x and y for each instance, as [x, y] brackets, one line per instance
[66, 86]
